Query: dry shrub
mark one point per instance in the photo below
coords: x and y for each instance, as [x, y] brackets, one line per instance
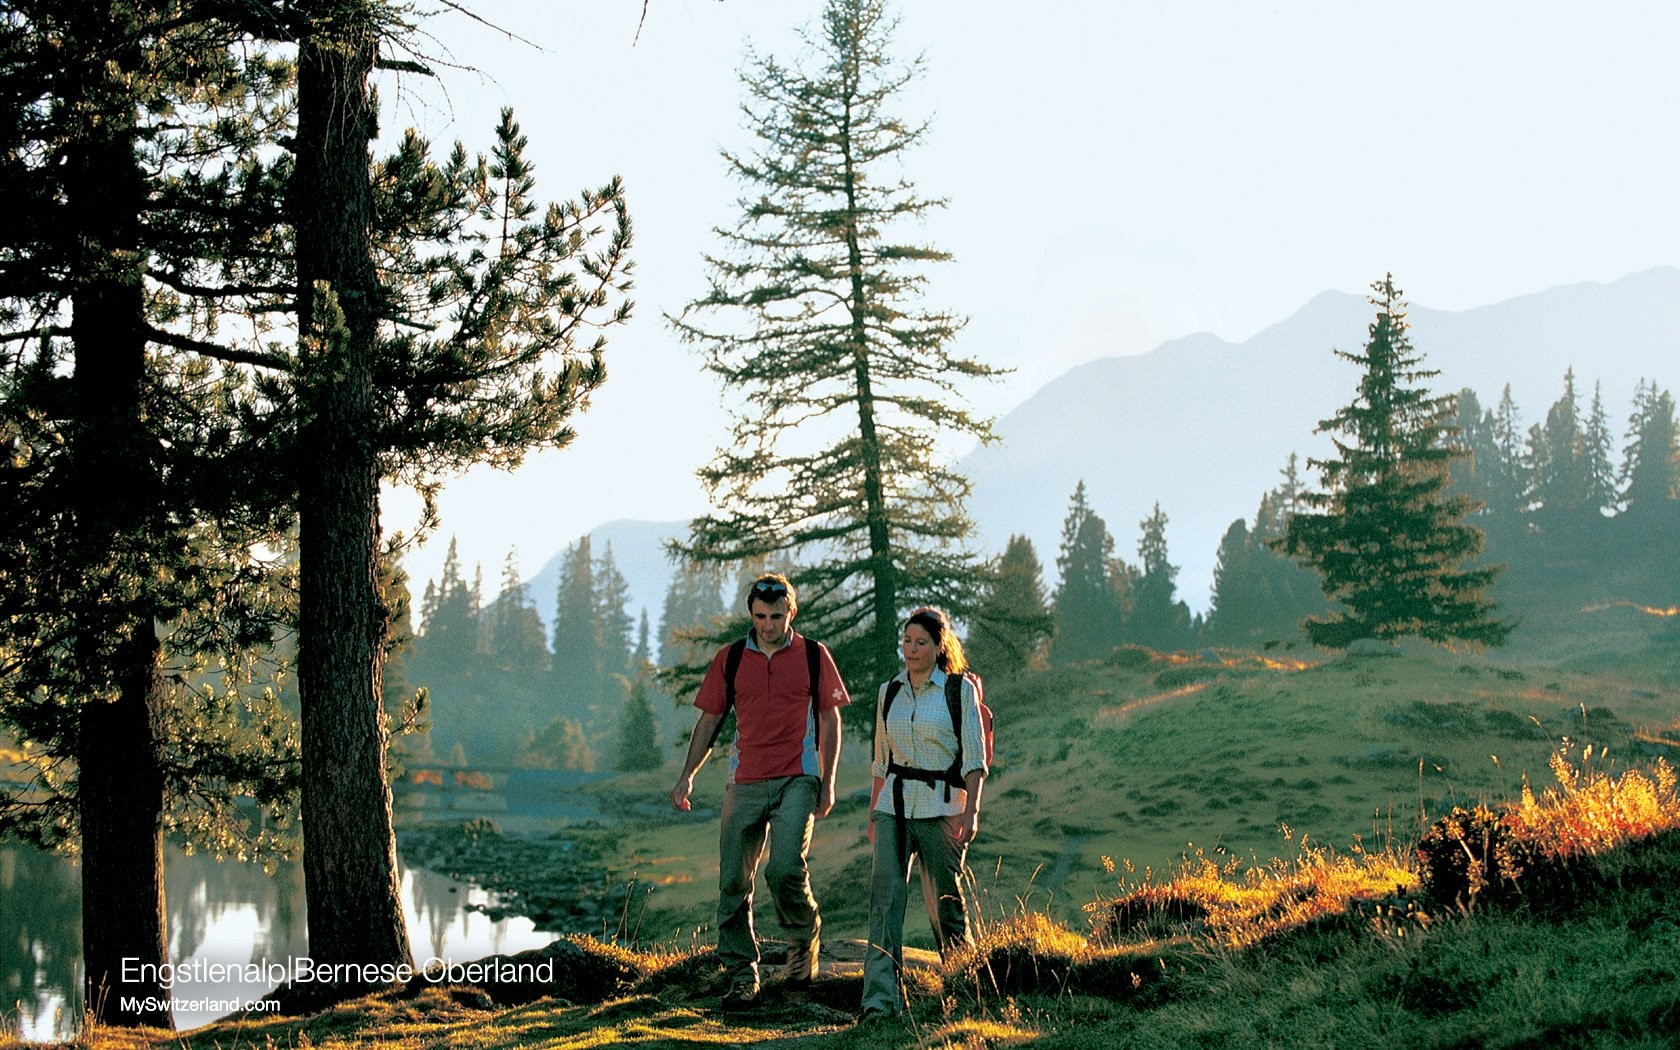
[1545, 848]
[1473, 855]
[1152, 910]
[1027, 953]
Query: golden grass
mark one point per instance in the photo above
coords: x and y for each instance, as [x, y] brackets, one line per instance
[1590, 811]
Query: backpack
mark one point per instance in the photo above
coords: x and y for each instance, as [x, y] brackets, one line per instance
[951, 776]
[732, 664]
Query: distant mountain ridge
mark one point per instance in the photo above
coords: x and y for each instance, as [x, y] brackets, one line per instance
[1203, 426]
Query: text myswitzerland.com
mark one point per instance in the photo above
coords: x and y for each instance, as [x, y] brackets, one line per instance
[152, 1003]
[303, 970]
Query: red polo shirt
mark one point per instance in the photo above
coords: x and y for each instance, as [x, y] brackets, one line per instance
[775, 735]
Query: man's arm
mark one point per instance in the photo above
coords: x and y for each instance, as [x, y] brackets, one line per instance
[828, 731]
[699, 747]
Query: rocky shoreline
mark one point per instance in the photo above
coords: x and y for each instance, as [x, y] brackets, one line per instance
[562, 883]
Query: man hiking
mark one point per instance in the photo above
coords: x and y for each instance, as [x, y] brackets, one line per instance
[787, 697]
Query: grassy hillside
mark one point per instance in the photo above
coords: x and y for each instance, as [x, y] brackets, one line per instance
[1242, 828]
[1146, 758]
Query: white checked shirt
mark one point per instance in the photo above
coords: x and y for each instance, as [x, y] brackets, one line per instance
[920, 732]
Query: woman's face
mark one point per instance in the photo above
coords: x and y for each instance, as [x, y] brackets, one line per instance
[920, 652]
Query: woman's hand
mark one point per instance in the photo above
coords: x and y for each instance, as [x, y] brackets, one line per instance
[964, 826]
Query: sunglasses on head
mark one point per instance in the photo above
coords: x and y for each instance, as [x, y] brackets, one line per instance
[769, 589]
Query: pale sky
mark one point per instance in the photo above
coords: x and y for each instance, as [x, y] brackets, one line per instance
[1119, 174]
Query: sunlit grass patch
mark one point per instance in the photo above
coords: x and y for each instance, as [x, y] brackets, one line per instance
[1544, 847]
[1233, 904]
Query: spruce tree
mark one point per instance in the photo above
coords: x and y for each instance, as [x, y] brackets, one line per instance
[1259, 596]
[1560, 484]
[1504, 473]
[1603, 499]
[612, 603]
[579, 679]
[638, 743]
[1650, 474]
[1012, 626]
[1087, 608]
[1157, 618]
[1389, 543]
[1238, 601]
[690, 615]
[814, 318]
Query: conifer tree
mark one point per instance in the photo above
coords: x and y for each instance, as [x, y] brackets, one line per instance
[1389, 543]
[1238, 600]
[445, 321]
[576, 665]
[131, 496]
[1603, 499]
[518, 647]
[1650, 474]
[1259, 596]
[1475, 436]
[1087, 608]
[1157, 618]
[814, 316]
[612, 601]
[1560, 486]
[638, 744]
[641, 660]
[1013, 625]
[690, 614]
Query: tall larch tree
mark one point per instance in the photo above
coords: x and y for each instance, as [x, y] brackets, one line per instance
[814, 318]
[1389, 543]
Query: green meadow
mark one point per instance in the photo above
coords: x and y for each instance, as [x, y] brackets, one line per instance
[1179, 850]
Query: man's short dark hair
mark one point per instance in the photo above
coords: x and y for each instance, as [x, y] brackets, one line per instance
[770, 588]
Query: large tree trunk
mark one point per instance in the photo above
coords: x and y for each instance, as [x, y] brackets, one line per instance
[884, 629]
[116, 495]
[349, 852]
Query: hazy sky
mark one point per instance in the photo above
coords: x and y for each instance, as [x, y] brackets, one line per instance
[1118, 174]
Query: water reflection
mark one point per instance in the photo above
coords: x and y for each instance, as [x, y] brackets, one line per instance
[222, 918]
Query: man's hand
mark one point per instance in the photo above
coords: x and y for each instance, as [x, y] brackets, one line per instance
[825, 799]
[679, 794]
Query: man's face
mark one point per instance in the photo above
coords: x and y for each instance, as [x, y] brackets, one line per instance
[771, 621]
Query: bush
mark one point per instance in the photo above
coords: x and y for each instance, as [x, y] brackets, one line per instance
[1473, 854]
[1129, 657]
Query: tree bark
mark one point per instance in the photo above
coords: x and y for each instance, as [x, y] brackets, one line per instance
[350, 866]
[116, 496]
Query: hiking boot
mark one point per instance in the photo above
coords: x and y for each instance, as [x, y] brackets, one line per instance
[742, 995]
[802, 962]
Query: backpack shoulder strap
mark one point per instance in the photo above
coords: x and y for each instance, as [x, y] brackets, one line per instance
[892, 690]
[813, 674]
[953, 704]
[731, 665]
